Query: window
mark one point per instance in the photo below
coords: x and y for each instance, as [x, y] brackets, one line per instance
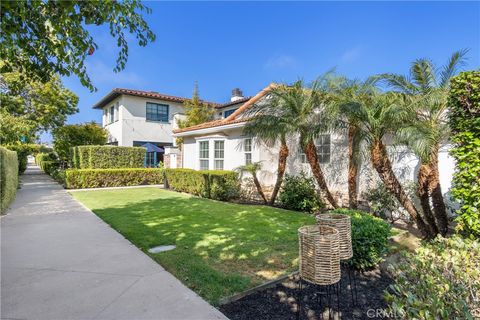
[112, 114]
[247, 148]
[228, 112]
[322, 144]
[303, 156]
[203, 156]
[105, 116]
[115, 118]
[157, 112]
[219, 154]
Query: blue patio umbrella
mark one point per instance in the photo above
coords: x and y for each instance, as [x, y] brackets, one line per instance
[152, 148]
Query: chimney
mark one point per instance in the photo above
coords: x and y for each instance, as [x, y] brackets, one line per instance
[237, 94]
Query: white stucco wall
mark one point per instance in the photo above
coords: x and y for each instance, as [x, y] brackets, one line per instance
[132, 124]
[404, 162]
[233, 146]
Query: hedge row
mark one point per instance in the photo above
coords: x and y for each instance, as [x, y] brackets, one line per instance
[105, 157]
[8, 177]
[101, 178]
[214, 184]
[464, 120]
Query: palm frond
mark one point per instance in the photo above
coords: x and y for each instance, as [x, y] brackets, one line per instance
[423, 74]
[454, 63]
[397, 82]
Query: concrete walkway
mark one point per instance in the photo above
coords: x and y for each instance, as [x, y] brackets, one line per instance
[60, 261]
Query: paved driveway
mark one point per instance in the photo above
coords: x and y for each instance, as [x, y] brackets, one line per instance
[60, 261]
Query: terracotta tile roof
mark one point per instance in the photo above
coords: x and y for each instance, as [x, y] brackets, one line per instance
[139, 93]
[232, 119]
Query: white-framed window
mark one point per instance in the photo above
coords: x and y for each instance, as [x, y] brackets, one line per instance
[322, 144]
[219, 154]
[115, 118]
[247, 148]
[203, 155]
[302, 155]
[105, 116]
[112, 114]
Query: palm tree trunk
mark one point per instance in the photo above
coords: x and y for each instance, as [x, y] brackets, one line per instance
[311, 154]
[282, 164]
[259, 188]
[424, 196]
[383, 166]
[352, 167]
[435, 191]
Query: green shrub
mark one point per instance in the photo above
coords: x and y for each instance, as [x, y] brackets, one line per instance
[214, 184]
[106, 157]
[50, 167]
[441, 280]
[43, 156]
[370, 239]
[464, 120]
[8, 177]
[223, 185]
[298, 193]
[100, 178]
[186, 180]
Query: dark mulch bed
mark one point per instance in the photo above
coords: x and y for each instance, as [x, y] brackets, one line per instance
[280, 302]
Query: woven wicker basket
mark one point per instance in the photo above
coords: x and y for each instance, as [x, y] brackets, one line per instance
[343, 224]
[319, 254]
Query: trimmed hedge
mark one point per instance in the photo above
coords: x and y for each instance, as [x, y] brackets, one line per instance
[101, 178]
[8, 177]
[49, 167]
[464, 120]
[370, 239]
[105, 157]
[214, 184]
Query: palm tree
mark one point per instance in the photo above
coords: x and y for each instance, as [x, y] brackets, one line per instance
[253, 168]
[270, 128]
[346, 91]
[377, 116]
[428, 87]
[296, 110]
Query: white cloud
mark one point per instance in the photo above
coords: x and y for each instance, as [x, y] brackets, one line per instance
[280, 61]
[351, 54]
[99, 72]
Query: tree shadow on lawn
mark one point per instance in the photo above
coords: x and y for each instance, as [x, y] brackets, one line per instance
[222, 248]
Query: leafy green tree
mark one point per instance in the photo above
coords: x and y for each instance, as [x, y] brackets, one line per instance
[16, 129]
[44, 38]
[196, 112]
[66, 137]
[428, 85]
[42, 106]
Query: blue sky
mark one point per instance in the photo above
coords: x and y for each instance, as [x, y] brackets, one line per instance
[223, 45]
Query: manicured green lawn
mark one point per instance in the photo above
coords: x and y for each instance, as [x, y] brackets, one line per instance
[222, 248]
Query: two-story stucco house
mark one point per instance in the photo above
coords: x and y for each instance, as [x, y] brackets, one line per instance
[135, 117]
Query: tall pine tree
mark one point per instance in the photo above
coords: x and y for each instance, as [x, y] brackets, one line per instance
[196, 112]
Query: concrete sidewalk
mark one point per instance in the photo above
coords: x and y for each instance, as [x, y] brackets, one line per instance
[60, 261]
